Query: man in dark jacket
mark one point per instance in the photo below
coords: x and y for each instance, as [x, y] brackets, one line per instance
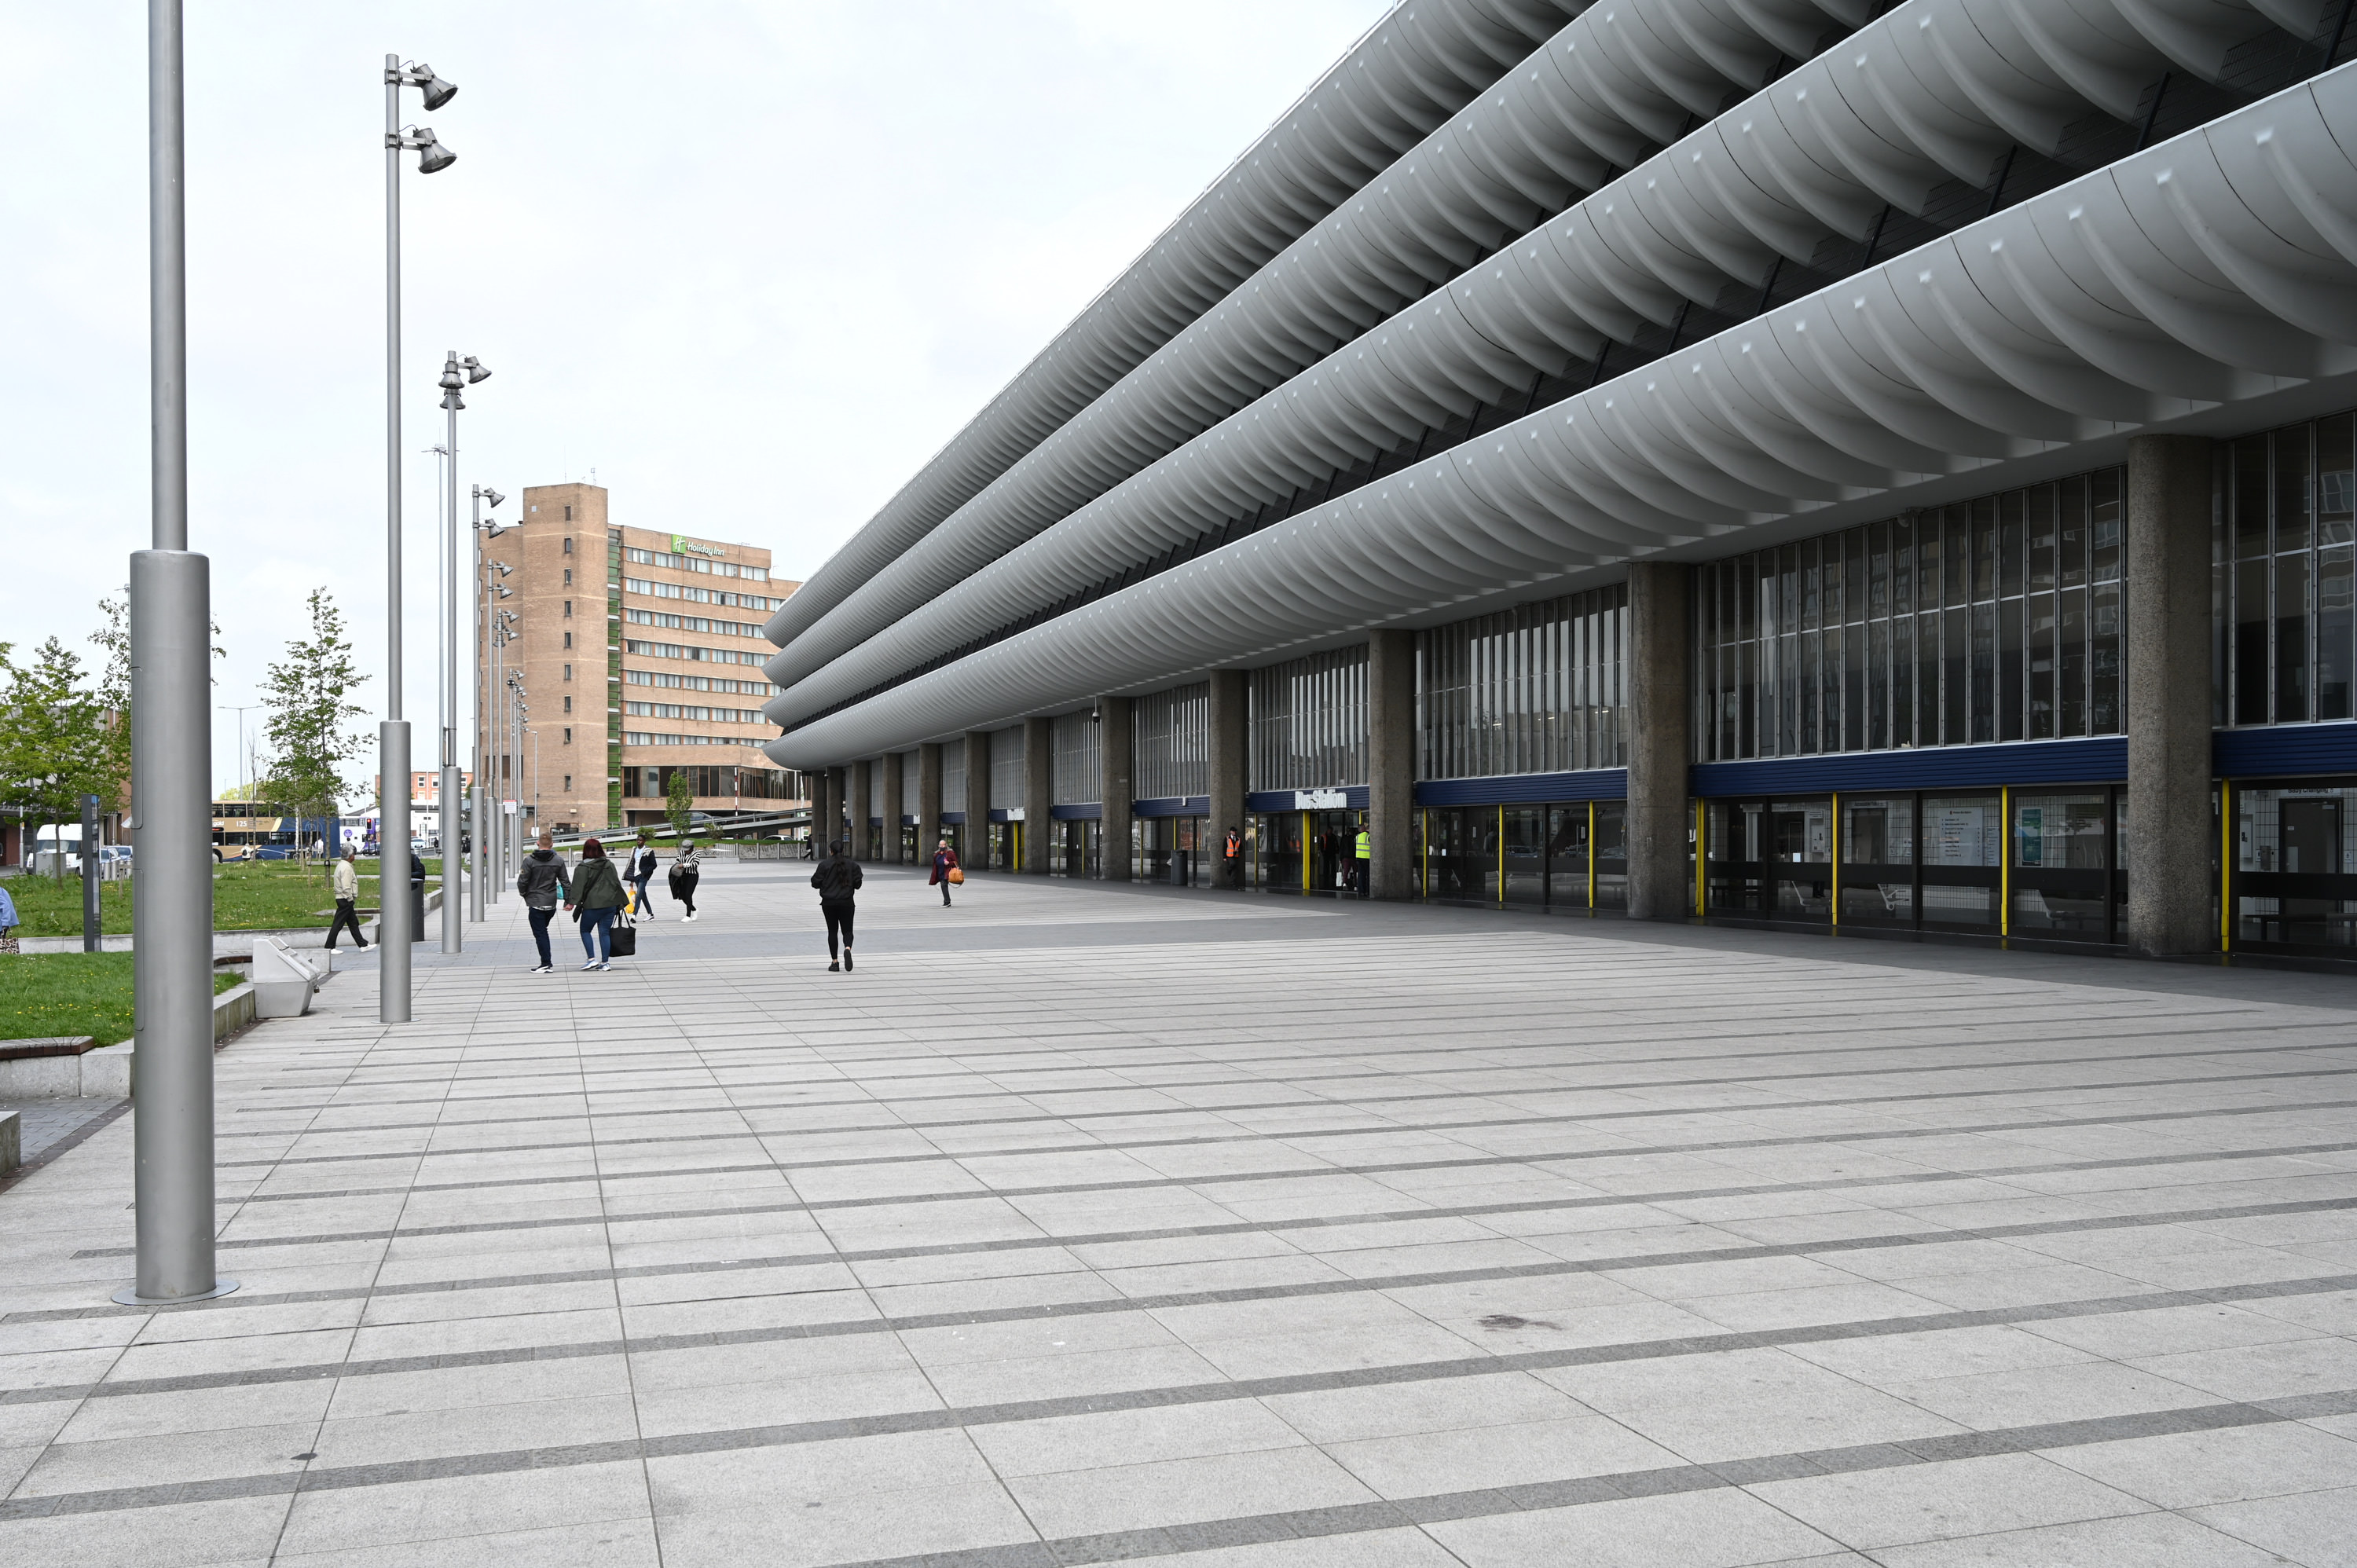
[837, 879]
[541, 884]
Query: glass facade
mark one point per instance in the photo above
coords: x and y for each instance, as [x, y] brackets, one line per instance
[2281, 582]
[1076, 780]
[1006, 767]
[912, 783]
[1572, 856]
[1309, 721]
[954, 775]
[2040, 863]
[1994, 619]
[1172, 742]
[1540, 687]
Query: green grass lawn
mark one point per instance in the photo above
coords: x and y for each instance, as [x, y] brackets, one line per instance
[73, 994]
[250, 896]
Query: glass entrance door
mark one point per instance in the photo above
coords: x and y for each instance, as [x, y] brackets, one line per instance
[1770, 860]
[1334, 852]
[2294, 882]
[1276, 844]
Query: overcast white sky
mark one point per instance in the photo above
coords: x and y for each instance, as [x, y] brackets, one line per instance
[749, 263]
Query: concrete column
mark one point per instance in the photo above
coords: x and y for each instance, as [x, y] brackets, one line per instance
[889, 792]
[2166, 851]
[977, 801]
[838, 805]
[863, 807]
[929, 798]
[1660, 694]
[1116, 790]
[1038, 793]
[1391, 762]
[1230, 748]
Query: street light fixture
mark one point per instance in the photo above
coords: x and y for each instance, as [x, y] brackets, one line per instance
[480, 857]
[171, 762]
[397, 927]
[450, 791]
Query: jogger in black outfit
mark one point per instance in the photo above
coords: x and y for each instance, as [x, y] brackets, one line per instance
[837, 879]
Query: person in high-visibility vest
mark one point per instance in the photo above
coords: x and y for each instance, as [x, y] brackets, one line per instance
[1366, 854]
[1232, 855]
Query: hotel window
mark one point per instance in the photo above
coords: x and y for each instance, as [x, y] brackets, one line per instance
[2282, 591]
[568, 704]
[568, 781]
[568, 672]
[568, 729]
[568, 517]
[568, 543]
[568, 603]
[569, 640]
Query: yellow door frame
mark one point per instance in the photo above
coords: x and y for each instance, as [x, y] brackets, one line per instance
[1591, 857]
[1702, 852]
[2226, 811]
[1502, 854]
[1836, 834]
[2005, 861]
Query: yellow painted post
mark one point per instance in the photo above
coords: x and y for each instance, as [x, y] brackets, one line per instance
[1306, 856]
[1702, 852]
[1502, 854]
[2005, 862]
[1836, 838]
[2226, 804]
[1591, 857]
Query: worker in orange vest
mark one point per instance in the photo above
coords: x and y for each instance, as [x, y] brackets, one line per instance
[1231, 858]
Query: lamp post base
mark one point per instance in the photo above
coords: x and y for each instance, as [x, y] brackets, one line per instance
[129, 1295]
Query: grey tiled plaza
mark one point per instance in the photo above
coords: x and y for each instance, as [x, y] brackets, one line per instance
[1085, 1223]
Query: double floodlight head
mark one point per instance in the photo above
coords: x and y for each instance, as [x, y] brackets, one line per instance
[420, 75]
[433, 157]
[475, 373]
[492, 497]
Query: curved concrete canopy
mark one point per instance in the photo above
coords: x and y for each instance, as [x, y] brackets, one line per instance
[1411, 71]
[2216, 268]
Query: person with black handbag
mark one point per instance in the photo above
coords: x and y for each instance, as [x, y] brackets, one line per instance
[594, 895]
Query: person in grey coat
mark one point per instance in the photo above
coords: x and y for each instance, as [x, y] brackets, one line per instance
[543, 885]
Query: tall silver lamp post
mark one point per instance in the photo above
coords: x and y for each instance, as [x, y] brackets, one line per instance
[171, 764]
[449, 797]
[395, 928]
[478, 860]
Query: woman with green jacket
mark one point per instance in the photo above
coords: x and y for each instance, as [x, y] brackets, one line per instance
[594, 895]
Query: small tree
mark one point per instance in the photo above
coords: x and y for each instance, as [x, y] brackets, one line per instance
[677, 801]
[308, 696]
[54, 744]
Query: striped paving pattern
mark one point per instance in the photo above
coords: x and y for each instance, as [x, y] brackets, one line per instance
[1085, 1224]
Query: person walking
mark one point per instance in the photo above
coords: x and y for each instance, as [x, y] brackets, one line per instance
[1363, 864]
[944, 862]
[348, 893]
[595, 894]
[686, 871]
[837, 880]
[541, 884]
[1232, 857]
[642, 872]
[8, 923]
